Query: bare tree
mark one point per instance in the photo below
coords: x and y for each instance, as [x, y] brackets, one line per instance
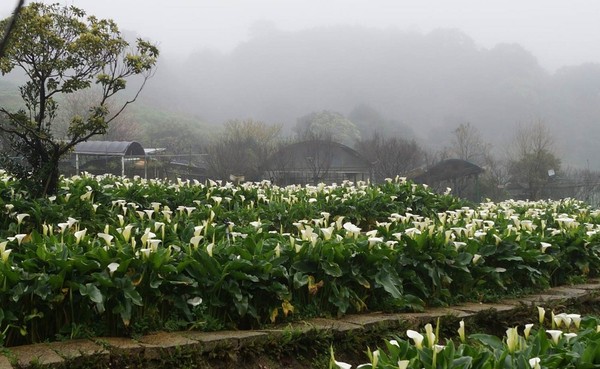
[532, 158]
[318, 156]
[468, 145]
[243, 149]
[391, 156]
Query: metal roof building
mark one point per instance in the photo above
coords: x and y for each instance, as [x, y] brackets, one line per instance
[126, 150]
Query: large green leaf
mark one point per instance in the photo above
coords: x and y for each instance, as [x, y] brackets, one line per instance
[91, 291]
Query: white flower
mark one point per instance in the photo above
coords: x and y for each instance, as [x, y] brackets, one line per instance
[196, 240]
[430, 335]
[568, 336]
[106, 237]
[5, 254]
[195, 301]
[327, 232]
[555, 334]
[403, 364]
[19, 238]
[544, 246]
[461, 331]
[79, 235]
[351, 229]
[512, 339]
[576, 318]
[127, 232]
[342, 365]
[416, 337]
[541, 314]
[20, 218]
[534, 363]
[374, 240]
[277, 250]
[527, 330]
[112, 267]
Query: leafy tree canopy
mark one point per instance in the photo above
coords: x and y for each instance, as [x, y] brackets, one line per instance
[327, 125]
[62, 51]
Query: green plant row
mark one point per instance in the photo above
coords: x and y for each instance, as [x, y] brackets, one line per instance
[118, 256]
[562, 341]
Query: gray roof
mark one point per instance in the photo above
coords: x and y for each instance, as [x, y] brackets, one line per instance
[110, 148]
[449, 169]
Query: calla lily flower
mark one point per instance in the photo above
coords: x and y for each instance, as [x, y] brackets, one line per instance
[351, 229]
[568, 336]
[20, 237]
[576, 318]
[21, 217]
[527, 330]
[512, 339]
[430, 335]
[196, 240]
[342, 365]
[106, 237]
[461, 331]
[5, 254]
[112, 267]
[541, 314]
[327, 232]
[534, 363]
[555, 334]
[79, 235]
[544, 246]
[195, 301]
[416, 337]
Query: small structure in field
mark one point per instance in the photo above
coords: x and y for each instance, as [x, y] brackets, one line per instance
[315, 161]
[100, 157]
[459, 175]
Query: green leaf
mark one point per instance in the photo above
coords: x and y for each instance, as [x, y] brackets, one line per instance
[92, 292]
[389, 283]
[331, 268]
[492, 342]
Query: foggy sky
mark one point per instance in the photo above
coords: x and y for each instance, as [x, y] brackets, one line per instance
[557, 32]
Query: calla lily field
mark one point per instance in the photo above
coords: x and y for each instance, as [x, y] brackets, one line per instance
[562, 341]
[118, 256]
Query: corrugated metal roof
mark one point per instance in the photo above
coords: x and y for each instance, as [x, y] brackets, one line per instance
[110, 148]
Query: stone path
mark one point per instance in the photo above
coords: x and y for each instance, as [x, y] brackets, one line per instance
[150, 347]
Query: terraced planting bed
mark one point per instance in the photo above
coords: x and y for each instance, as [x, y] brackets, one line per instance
[118, 257]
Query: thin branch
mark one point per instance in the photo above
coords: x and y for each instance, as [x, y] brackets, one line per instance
[10, 27]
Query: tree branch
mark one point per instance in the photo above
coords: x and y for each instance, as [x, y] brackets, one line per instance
[9, 28]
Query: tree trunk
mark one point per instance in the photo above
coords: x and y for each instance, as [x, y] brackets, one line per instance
[46, 177]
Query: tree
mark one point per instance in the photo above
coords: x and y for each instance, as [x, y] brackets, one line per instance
[326, 125]
[468, 145]
[243, 149]
[533, 160]
[391, 156]
[123, 128]
[61, 52]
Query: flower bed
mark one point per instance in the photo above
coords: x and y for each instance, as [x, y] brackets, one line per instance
[563, 341]
[117, 256]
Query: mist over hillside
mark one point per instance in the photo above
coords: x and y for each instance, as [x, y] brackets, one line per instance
[421, 85]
